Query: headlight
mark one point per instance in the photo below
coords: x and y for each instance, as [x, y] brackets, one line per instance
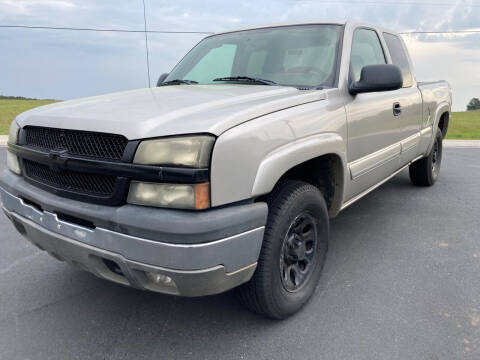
[182, 151]
[12, 163]
[12, 159]
[186, 151]
[13, 134]
[180, 196]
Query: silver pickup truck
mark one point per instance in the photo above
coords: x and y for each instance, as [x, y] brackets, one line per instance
[226, 174]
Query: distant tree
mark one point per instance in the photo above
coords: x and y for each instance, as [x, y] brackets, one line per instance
[3, 97]
[474, 104]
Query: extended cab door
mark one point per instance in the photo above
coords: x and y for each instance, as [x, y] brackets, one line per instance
[374, 132]
[408, 98]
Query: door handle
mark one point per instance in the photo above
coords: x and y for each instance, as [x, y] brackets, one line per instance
[397, 109]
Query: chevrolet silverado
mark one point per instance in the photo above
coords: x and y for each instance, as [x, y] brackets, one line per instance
[225, 174]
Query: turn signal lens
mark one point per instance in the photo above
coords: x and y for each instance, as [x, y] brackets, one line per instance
[202, 196]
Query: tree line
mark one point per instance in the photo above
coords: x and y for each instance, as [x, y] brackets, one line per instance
[474, 104]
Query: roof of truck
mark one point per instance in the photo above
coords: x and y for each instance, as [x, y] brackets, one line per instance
[319, 22]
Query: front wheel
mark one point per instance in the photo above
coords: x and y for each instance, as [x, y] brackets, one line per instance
[293, 251]
[424, 172]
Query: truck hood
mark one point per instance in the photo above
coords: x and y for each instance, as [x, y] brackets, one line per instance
[169, 110]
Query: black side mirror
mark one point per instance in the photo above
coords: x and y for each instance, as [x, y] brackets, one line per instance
[161, 79]
[382, 77]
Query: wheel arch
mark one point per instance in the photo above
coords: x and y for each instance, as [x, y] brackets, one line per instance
[319, 160]
[442, 113]
[443, 122]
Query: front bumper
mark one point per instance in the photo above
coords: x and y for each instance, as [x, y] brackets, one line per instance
[187, 269]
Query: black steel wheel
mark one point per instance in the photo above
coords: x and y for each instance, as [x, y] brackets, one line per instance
[297, 259]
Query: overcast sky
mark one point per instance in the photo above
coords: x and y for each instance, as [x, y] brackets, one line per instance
[68, 64]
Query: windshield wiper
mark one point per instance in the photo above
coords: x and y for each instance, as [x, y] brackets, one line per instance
[246, 79]
[178, 82]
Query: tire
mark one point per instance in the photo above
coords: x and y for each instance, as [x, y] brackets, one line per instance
[293, 251]
[424, 172]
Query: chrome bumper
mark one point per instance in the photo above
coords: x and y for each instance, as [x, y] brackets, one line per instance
[180, 269]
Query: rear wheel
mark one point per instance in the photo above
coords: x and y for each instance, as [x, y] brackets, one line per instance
[293, 251]
[424, 172]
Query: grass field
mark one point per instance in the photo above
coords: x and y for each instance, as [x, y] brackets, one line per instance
[11, 108]
[463, 125]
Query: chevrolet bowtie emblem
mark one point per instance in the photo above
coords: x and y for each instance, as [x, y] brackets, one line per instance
[58, 158]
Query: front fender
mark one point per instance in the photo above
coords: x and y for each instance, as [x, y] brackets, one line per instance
[279, 161]
[249, 159]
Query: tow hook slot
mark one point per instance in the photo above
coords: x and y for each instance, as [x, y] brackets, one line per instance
[77, 221]
[32, 204]
[113, 266]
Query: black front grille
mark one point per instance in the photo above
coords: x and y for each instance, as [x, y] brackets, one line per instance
[90, 184]
[80, 143]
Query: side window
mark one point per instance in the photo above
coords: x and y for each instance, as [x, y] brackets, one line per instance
[217, 62]
[399, 58]
[366, 50]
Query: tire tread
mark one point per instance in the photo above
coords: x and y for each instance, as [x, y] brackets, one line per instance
[420, 171]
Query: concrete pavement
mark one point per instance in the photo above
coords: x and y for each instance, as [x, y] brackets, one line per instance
[401, 281]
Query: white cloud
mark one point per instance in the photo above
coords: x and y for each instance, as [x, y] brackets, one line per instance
[27, 7]
[453, 57]
[446, 60]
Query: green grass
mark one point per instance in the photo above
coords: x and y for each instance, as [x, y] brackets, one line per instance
[464, 125]
[11, 108]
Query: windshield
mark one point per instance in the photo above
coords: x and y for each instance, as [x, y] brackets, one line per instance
[300, 56]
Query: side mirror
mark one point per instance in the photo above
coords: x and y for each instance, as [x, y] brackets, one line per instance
[382, 77]
[161, 79]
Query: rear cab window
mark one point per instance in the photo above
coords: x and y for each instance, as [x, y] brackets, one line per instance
[399, 57]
